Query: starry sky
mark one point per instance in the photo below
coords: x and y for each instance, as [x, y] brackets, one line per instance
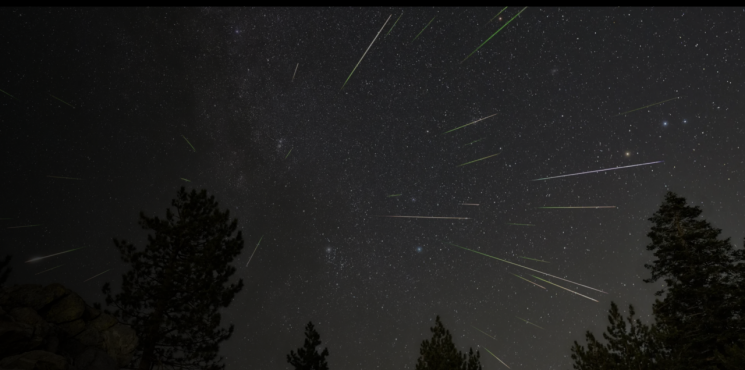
[108, 96]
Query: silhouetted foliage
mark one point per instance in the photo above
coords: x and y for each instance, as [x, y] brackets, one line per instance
[439, 353]
[5, 269]
[172, 294]
[308, 357]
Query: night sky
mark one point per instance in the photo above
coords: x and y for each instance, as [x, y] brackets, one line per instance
[108, 96]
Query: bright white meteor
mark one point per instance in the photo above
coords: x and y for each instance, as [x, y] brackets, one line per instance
[52, 255]
[368, 49]
[605, 169]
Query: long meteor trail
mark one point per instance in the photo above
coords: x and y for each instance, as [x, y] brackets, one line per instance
[478, 120]
[595, 171]
[96, 275]
[528, 322]
[425, 27]
[528, 281]
[187, 140]
[66, 178]
[52, 255]
[527, 268]
[495, 356]
[368, 49]
[48, 270]
[394, 24]
[480, 159]
[495, 33]
[62, 101]
[252, 254]
[533, 259]
[443, 218]
[483, 332]
[651, 105]
[568, 290]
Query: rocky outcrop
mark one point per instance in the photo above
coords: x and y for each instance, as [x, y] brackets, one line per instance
[52, 328]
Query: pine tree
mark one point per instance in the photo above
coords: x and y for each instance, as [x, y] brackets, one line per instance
[702, 310]
[175, 287]
[308, 357]
[440, 353]
[5, 270]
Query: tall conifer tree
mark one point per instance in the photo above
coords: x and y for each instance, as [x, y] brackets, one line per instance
[176, 285]
[308, 357]
[439, 353]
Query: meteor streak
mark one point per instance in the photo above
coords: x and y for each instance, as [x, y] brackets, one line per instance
[527, 268]
[293, 75]
[577, 207]
[500, 12]
[288, 153]
[394, 24]
[468, 204]
[252, 254]
[533, 259]
[475, 141]
[527, 280]
[480, 159]
[478, 120]
[7, 94]
[487, 350]
[394, 195]
[495, 33]
[568, 290]
[18, 227]
[52, 255]
[444, 218]
[425, 27]
[48, 270]
[605, 169]
[651, 105]
[528, 322]
[483, 332]
[96, 275]
[368, 49]
[519, 224]
[66, 178]
[61, 100]
[187, 140]
[187, 180]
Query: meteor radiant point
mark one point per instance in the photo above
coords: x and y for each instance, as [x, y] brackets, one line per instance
[647, 106]
[444, 218]
[66, 178]
[605, 169]
[527, 268]
[495, 33]
[368, 49]
[425, 27]
[478, 120]
[62, 101]
[480, 159]
[187, 140]
[96, 275]
[252, 254]
[52, 255]
[394, 24]
[528, 280]
[495, 356]
[568, 290]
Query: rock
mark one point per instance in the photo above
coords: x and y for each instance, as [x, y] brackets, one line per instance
[90, 336]
[35, 360]
[104, 321]
[95, 359]
[73, 328]
[16, 338]
[69, 308]
[120, 342]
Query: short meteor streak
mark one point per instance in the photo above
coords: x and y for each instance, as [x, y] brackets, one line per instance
[48, 270]
[483, 332]
[495, 356]
[66, 178]
[52, 255]
[468, 204]
[605, 169]
[568, 290]
[187, 140]
[18, 227]
[478, 120]
[651, 105]
[293, 75]
[368, 49]
[577, 207]
[495, 33]
[475, 141]
[394, 24]
[527, 268]
[8, 94]
[500, 12]
[61, 100]
[480, 159]
[394, 195]
[187, 180]
[508, 223]
[528, 281]
[533, 259]
[443, 218]
[252, 254]
[425, 27]
[288, 153]
[528, 322]
[96, 275]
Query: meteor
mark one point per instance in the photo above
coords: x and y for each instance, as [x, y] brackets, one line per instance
[61, 100]
[568, 290]
[533, 259]
[468, 204]
[394, 195]
[96, 275]
[66, 178]
[495, 33]
[187, 140]
[478, 120]
[252, 254]
[444, 218]
[8, 94]
[187, 180]
[48, 270]
[519, 224]
[651, 105]
[475, 141]
[480, 159]
[500, 12]
[293, 75]
[483, 332]
[288, 153]
[18, 227]
[605, 169]
[487, 350]
[577, 207]
[527, 268]
[368, 49]
[528, 322]
[425, 27]
[527, 280]
[394, 24]
[52, 255]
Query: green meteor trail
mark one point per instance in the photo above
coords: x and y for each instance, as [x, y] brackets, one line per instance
[480, 159]
[577, 207]
[425, 27]
[66, 178]
[500, 12]
[651, 105]
[8, 94]
[483, 332]
[52, 255]
[184, 179]
[478, 120]
[568, 290]
[18, 227]
[187, 140]
[394, 195]
[96, 275]
[252, 254]
[533, 259]
[475, 141]
[288, 153]
[528, 322]
[495, 33]
[61, 100]
[394, 24]
[495, 356]
[527, 280]
[368, 49]
[48, 270]
[519, 224]
[527, 268]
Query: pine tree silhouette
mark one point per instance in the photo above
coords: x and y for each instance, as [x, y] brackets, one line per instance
[439, 353]
[308, 357]
[5, 270]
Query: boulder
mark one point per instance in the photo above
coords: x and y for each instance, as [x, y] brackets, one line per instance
[16, 338]
[120, 342]
[70, 307]
[95, 359]
[35, 360]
